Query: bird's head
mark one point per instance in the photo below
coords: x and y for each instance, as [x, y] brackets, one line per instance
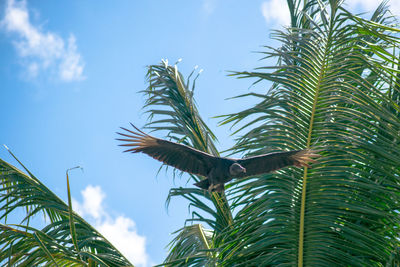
[236, 169]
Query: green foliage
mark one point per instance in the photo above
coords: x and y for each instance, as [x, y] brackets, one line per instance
[330, 91]
[334, 88]
[192, 241]
[67, 240]
[171, 107]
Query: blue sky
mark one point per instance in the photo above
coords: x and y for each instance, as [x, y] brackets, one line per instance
[70, 75]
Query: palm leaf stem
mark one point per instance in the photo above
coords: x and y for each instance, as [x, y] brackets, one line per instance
[305, 174]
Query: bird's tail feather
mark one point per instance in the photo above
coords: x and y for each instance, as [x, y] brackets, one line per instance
[203, 184]
[303, 157]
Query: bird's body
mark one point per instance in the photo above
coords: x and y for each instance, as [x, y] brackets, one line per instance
[218, 175]
[217, 170]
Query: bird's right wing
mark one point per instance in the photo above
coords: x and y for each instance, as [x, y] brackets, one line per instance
[180, 156]
[274, 161]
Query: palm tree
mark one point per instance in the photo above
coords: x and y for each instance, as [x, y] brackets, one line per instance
[332, 89]
[335, 87]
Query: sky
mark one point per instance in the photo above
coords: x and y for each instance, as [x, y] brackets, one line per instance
[71, 72]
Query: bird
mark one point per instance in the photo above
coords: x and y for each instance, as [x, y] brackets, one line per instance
[216, 170]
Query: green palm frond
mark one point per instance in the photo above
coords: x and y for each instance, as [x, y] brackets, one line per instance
[192, 245]
[329, 92]
[31, 246]
[172, 108]
[55, 244]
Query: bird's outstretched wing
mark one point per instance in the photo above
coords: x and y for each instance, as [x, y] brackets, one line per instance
[274, 161]
[182, 157]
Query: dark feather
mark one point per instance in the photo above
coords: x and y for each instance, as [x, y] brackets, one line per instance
[274, 161]
[204, 184]
[216, 169]
[182, 157]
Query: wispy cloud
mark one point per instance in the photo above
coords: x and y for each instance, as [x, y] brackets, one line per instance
[366, 5]
[276, 11]
[120, 231]
[41, 50]
[371, 5]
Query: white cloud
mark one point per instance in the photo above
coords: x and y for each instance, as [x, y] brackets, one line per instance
[93, 197]
[121, 231]
[371, 5]
[276, 11]
[71, 65]
[394, 6]
[41, 50]
[366, 5]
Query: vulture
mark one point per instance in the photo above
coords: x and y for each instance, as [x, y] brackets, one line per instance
[217, 170]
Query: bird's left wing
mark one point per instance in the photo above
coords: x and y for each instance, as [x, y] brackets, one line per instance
[180, 156]
[274, 161]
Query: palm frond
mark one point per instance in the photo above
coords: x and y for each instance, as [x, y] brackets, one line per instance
[172, 108]
[54, 244]
[191, 247]
[329, 92]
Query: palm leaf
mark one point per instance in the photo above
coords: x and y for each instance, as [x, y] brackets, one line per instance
[172, 108]
[329, 91]
[67, 240]
[191, 245]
